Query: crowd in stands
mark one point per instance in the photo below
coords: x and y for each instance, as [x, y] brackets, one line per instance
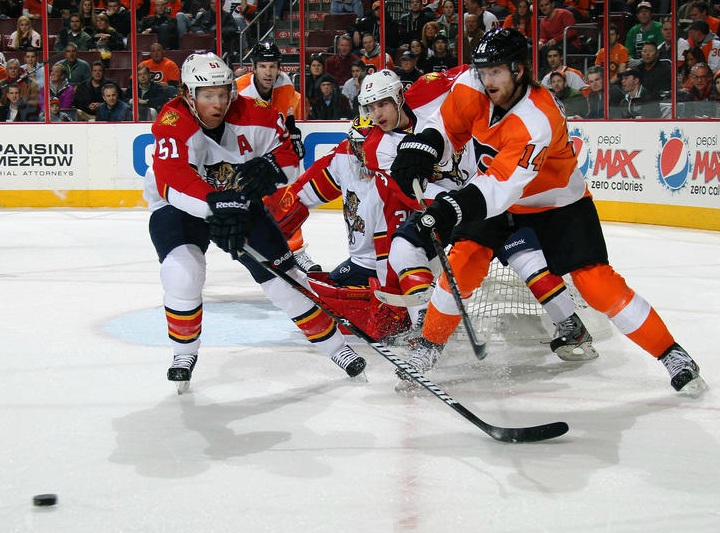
[640, 56]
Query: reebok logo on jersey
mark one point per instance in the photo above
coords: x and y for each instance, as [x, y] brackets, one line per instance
[514, 244]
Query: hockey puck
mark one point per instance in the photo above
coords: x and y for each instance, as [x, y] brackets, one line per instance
[44, 500]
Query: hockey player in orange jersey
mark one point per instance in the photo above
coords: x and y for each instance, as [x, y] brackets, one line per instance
[532, 174]
[269, 83]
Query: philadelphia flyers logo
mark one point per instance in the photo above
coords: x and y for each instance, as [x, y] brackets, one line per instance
[484, 154]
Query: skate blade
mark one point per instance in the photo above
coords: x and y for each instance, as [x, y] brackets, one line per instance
[579, 352]
[182, 386]
[695, 388]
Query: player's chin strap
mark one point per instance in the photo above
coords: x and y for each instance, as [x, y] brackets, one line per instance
[478, 347]
[520, 434]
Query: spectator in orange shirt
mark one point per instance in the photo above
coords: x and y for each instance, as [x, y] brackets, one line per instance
[163, 70]
[371, 55]
[619, 55]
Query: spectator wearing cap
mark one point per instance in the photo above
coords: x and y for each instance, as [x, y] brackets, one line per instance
[412, 22]
[351, 88]
[55, 114]
[339, 65]
[699, 10]
[645, 30]
[331, 105]
[699, 35]
[574, 102]
[635, 101]
[338, 7]
[408, 71]
[371, 55]
[441, 59]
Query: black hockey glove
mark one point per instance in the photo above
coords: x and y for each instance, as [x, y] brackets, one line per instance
[450, 209]
[295, 136]
[416, 158]
[233, 215]
[259, 177]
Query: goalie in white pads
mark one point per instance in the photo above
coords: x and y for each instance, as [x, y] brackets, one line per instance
[216, 155]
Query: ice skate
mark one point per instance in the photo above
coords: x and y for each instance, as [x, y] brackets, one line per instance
[684, 372]
[181, 371]
[573, 341]
[409, 337]
[424, 357]
[305, 262]
[350, 362]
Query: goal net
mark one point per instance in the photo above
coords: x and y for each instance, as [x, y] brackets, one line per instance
[504, 310]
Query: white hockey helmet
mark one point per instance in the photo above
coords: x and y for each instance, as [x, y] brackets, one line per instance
[378, 86]
[205, 70]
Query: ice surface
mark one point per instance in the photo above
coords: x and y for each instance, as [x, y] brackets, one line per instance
[273, 437]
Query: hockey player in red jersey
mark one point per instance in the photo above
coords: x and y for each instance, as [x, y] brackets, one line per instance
[531, 173]
[216, 155]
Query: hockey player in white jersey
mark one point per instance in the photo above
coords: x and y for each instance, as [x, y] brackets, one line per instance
[216, 155]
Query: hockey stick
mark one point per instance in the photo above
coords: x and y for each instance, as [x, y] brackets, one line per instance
[478, 347]
[403, 300]
[523, 434]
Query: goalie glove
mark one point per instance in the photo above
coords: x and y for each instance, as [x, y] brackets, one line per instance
[233, 215]
[258, 177]
[295, 136]
[416, 158]
[450, 209]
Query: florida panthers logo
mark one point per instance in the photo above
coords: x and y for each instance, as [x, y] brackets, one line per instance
[220, 174]
[353, 221]
[455, 174]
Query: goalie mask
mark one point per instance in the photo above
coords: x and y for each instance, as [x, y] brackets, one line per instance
[359, 130]
[205, 70]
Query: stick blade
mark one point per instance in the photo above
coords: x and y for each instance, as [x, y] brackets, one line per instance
[528, 434]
